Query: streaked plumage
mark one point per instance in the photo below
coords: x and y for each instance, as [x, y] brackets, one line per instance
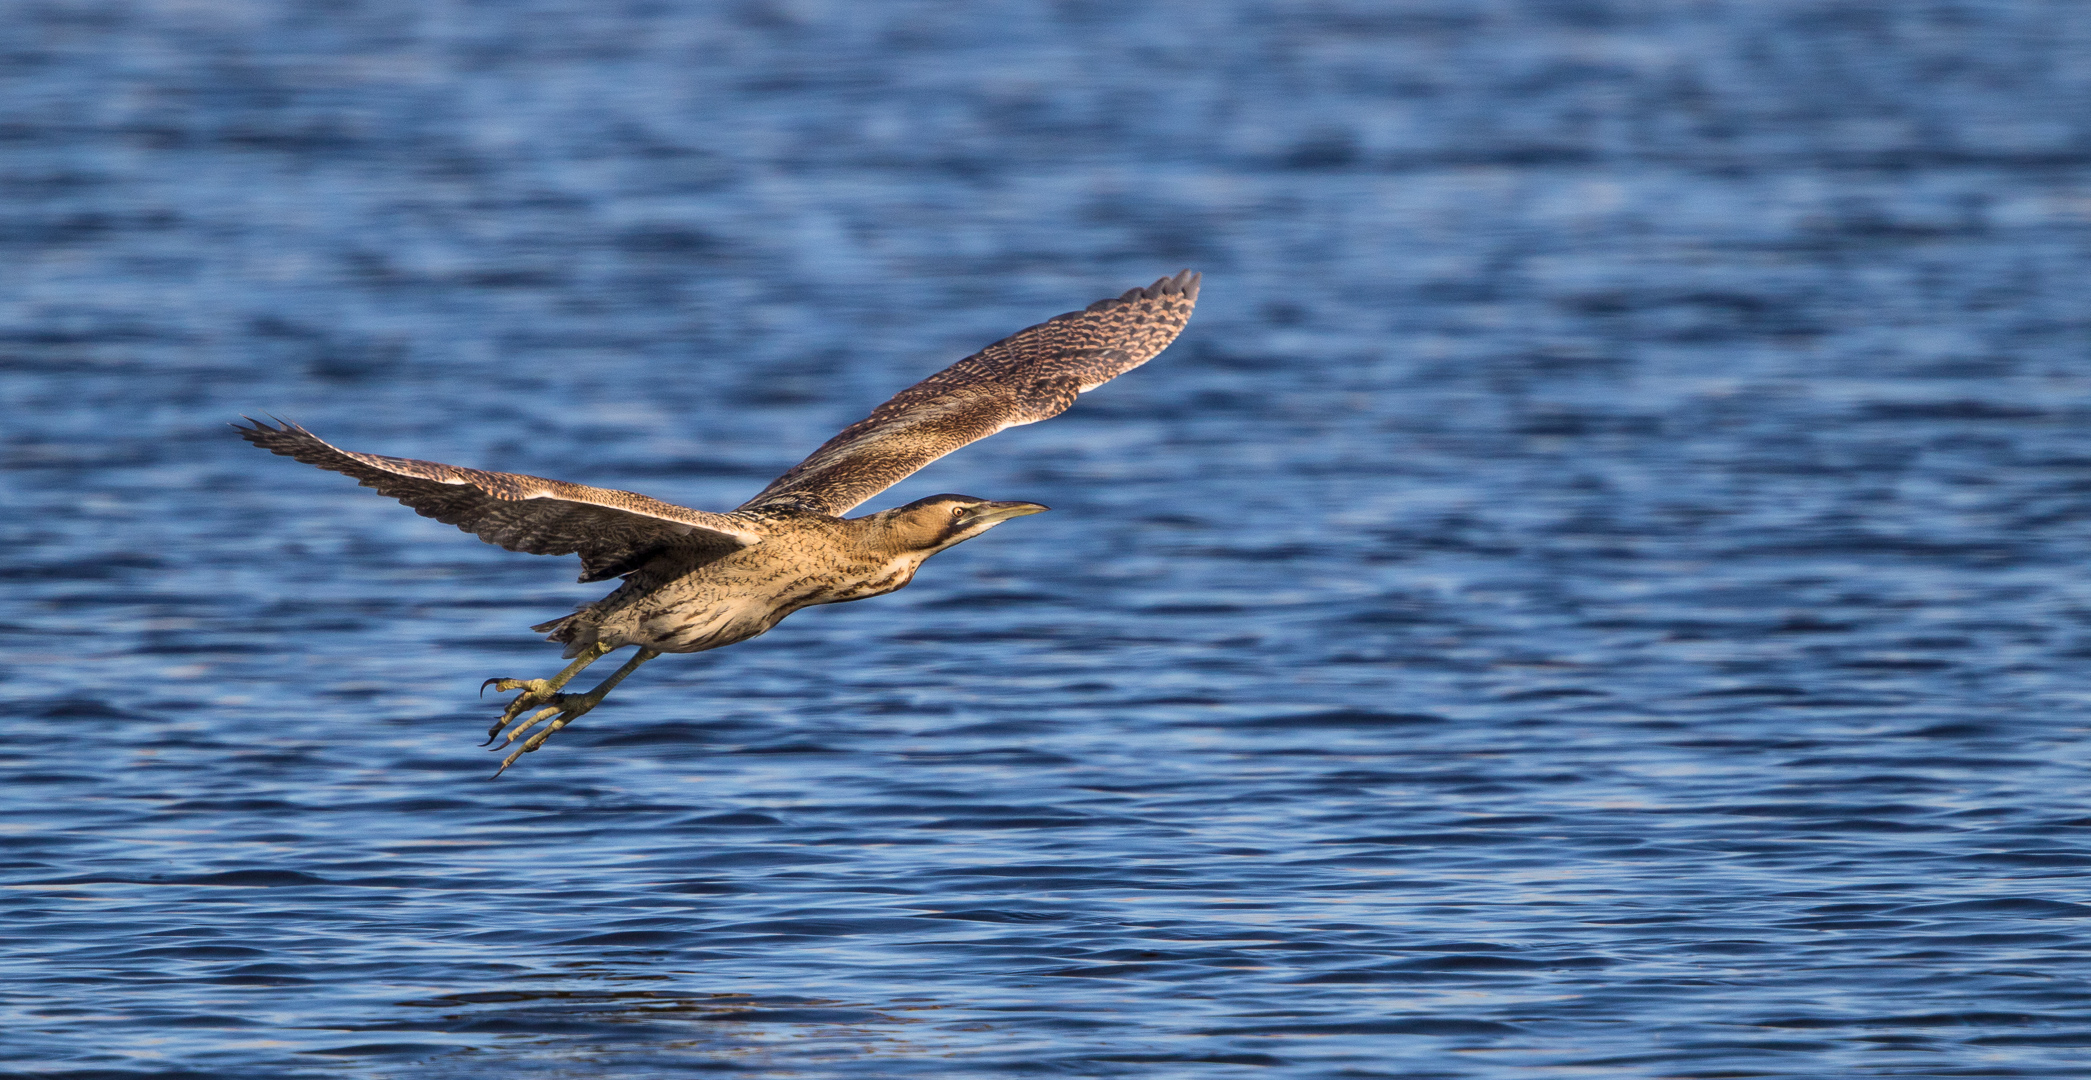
[696, 580]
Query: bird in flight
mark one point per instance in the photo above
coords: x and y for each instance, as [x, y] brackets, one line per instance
[696, 580]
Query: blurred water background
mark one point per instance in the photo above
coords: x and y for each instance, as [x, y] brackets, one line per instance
[1598, 590]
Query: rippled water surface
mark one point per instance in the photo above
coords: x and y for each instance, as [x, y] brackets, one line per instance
[1598, 590]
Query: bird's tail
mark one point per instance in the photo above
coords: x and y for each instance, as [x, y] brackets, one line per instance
[570, 630]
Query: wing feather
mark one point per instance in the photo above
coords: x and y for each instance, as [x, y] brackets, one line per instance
[1031, 375]
[613, 531]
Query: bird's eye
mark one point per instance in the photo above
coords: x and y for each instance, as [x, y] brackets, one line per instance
[957, 512]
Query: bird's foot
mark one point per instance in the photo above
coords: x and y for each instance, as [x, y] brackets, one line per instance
[534, 692]
[564, 709]
[537, 691]
[561, 709]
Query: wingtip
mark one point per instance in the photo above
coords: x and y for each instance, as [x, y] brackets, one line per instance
[286, 438]
[1184, 284]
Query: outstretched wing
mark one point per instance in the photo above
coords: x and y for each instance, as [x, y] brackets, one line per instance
[614, 531]
[1030, 376]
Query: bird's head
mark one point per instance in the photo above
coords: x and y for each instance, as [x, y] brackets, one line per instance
[940, 521]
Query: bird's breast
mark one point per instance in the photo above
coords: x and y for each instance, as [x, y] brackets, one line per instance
[868, 580]
[732, 600]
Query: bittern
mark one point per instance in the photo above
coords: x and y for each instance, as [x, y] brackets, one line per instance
[695, 580]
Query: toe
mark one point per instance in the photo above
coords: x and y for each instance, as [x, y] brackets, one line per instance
[516, 732]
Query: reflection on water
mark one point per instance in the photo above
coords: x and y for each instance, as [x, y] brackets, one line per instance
[1597, 589]
[571, 1030]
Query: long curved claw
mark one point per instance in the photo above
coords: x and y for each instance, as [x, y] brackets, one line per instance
[534, 692]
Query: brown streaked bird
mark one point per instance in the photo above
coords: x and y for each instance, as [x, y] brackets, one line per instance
[695, 580]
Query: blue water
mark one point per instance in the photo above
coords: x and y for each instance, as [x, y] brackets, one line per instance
[1597, 591]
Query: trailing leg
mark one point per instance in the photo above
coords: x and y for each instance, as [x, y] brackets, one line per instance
[565, 709]
[537, 691]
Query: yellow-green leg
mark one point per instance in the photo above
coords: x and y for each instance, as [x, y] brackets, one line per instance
[566, 708]
[538, 691]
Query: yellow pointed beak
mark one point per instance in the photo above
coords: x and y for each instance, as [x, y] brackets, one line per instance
[1003, 511]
